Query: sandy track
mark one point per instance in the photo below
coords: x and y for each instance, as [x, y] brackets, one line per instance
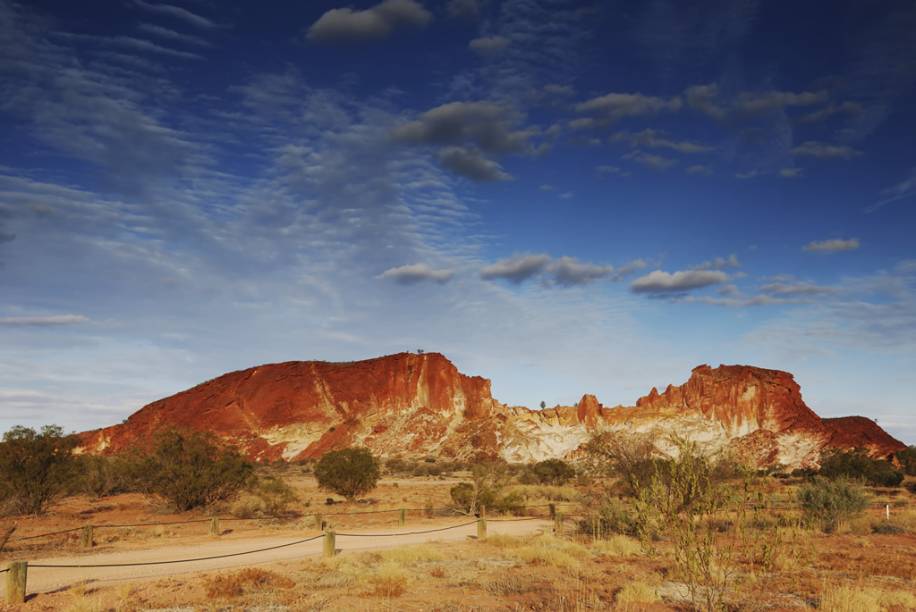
[43, 580]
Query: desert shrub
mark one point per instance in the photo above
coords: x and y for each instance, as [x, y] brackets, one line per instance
[612, 516]
[857, 464]
[683, 501]
[104, 476]
[632, 458]
[826, 503]
[552, 472]
[275, 495]
[887, 528]
[191, 470]
[488, 488]
[907, 459]
[35, 468]
[350, 472]
[911, 487]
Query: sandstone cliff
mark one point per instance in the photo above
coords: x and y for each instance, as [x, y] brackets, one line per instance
[421, 405]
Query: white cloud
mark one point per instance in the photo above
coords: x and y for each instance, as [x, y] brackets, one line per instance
[488, 45]
[720, 263]
[650, 160]
[763, 101]
[568, 272]
[653, 139]
[516, 269]
[375, 23]
[834, 245]
[487, 125]
[417, 273]
[471, 164]
[659, 282]
[824, 150]
[615, 106]
[43, 320]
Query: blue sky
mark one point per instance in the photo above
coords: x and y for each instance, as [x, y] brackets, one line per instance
[563, 197]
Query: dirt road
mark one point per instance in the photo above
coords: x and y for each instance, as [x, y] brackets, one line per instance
[43, 580]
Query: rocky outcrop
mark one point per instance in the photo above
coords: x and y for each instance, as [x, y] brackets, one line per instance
[421, 405]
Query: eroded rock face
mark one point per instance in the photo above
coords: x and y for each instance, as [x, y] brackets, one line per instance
[421, 405]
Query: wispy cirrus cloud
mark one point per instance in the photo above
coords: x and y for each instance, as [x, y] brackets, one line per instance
[176, 12]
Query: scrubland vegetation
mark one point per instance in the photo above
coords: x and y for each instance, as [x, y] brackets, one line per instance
[638, 530]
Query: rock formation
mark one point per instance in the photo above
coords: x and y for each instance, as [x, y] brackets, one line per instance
[421, 405]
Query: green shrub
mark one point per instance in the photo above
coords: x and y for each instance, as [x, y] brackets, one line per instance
[631, 458]
[857, 464]
[350, 472]
[827, 503]
[35, 468]
[191, 470]
[552, 472]
[907, 459]
[612, 516]
[104, 476]
[275, 495]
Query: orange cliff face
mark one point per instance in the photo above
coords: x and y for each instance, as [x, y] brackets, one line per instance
[421, 405]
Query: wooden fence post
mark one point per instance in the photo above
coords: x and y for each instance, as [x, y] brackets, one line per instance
[86, 537]
[16, 582]
[481, 528]
[887, 512]
[402, 519]
[329, 543]
[483, 511]
[214, 526]
[553, 510]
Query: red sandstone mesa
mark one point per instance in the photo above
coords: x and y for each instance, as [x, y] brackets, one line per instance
[421, 405]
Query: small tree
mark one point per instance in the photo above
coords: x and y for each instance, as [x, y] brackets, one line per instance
[350, 472]
[827, 503]
[191, 470]
[859, 465]
[630, 457]
[553, 471]
[35, 468]
[907, 459]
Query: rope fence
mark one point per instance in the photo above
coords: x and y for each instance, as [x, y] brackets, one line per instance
[236, 519]
[210, 558]
[17, 571]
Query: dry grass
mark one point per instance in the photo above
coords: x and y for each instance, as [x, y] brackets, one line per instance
[413, 555]
[635, 595]
[617, 546]
[848, 598]
[389, 580]
[227, 586]
[552, 551]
